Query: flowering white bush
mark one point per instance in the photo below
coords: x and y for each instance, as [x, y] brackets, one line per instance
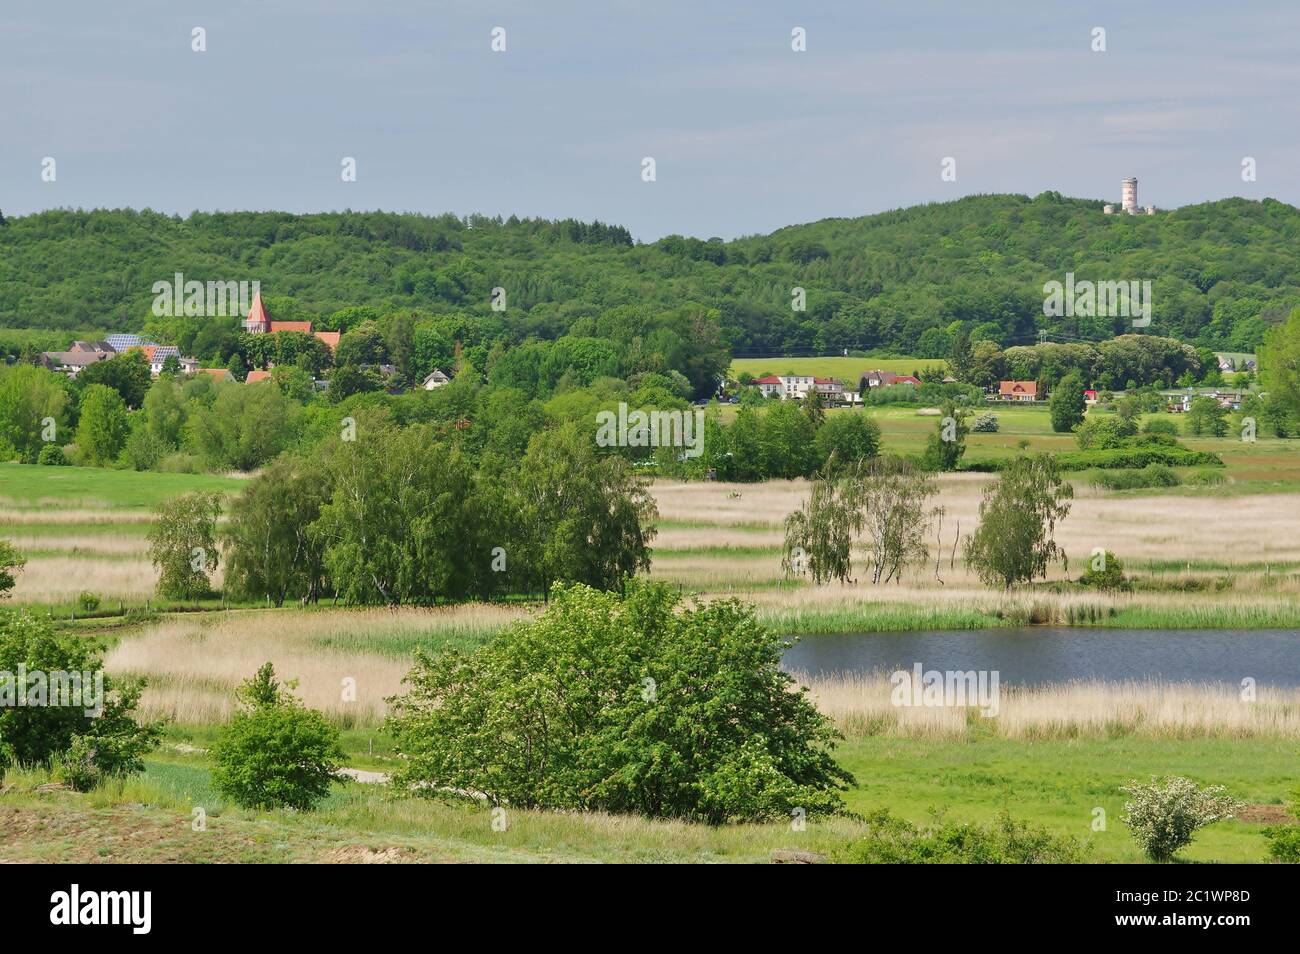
[1164, 814]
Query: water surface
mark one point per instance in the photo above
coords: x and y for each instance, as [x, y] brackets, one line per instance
[1041, 655]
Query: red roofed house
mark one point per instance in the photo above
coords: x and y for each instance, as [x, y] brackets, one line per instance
[886, 379]
[257, 375]
[796, 386]
[220, 374]
[259, 322]
[331, 338]
[1018, 391]
[829, 387]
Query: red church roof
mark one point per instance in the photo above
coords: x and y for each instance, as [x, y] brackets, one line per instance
[257, 314]
[304, 326]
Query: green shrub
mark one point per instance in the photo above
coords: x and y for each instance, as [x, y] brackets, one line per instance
[1136, 457]
[180, 463]
[850, 437]
[638, 706]
[986, 423]
[52, 455]
[1105, 572]
[11, 562]
[112, 742]
[77, 765]
[1099, 433]
[88, 601]
[1152, 475]
[891, 840]
[1284, 843]
[1164, 814]
[275, 753]
[1160, 425]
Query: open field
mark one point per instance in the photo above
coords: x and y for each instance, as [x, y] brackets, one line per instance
[1212, 556]
[1054, 783]
[1215, 555]
[845, 369]
[83, 528]
[727, 538]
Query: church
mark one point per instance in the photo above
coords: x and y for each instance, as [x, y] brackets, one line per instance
[259, 322]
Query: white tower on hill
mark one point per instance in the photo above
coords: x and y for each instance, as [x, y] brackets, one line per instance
[1128, 199]
[1128, 195]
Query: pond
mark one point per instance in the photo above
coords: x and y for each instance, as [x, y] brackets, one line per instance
[1045, 655]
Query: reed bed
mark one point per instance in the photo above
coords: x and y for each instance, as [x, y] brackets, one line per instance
[60, 514]
[194, 664]
[98, 544]
[861, 705]
[1156, 527]
[59, 579]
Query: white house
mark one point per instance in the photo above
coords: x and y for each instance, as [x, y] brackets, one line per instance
[797, 386]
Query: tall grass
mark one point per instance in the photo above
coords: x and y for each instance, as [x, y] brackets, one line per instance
[193, 664]
[861, 705]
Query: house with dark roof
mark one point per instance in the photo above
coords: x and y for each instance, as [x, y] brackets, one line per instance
[71, 362]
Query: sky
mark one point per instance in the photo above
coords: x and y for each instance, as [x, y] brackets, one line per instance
[747, 134]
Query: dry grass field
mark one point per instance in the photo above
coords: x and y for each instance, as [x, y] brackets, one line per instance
[861, 705]
[1223, 558]
[345, 662]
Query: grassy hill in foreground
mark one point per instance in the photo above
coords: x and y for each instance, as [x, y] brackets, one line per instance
[1221, 271]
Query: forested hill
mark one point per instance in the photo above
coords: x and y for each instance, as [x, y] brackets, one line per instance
[1221, 272]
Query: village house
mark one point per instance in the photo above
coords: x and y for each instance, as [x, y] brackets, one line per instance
[436, 379]
[83, 353]
[796, 387]
[1018, 391]
[885, 379]
[91, 347]
[71, 362]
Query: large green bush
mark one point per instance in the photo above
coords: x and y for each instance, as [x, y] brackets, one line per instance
[111, 743]
[1284, 843]
[622, 704]
[1134, 457]
[890, 840]
[276, 753]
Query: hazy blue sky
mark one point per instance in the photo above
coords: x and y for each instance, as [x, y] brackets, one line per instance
[748, 135]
